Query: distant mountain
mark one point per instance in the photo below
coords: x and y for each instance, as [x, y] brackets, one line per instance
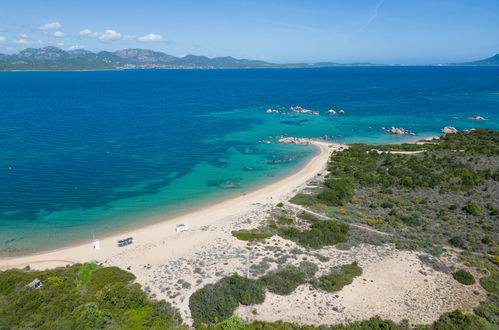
[494, 60]
[144, 56]
[53, 58]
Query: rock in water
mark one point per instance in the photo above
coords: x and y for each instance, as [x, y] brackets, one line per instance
[449, 130]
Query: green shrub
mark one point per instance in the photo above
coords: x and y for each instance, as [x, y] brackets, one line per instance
[458, 242]
[320, 234]
[80, 297]
[338, 278]
[250, 235]
[457, 321]
[338, 192]
[491, 283]
[493, 210]
[309, 217]
[472, 208]
[387, 205]
[489, 310]
[283, 281]
[308, 268]
[303, 199]
[282, 220]
[463, 277]
[216, 302]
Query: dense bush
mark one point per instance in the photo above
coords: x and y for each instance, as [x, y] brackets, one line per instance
[80, 297]
[463, 277]
[283, 281]
[338, 192]
[374, 323]
[250, 235]
[491, 283]
[458, 242]
[216, 302]
[320, 234]
[338, 278]
[459, 321]
[472, 208]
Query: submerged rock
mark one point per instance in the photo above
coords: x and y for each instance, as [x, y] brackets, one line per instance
[477, 118]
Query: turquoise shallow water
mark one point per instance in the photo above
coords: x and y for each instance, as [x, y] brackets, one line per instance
[87, 153]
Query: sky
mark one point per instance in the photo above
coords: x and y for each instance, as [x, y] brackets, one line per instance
[280, 31]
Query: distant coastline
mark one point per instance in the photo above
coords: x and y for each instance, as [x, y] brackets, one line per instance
[55, 59]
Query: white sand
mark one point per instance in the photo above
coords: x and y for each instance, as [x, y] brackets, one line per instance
[394, 285]
[158, 243]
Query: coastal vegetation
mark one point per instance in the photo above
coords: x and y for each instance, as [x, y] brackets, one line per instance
[80, 297]
[433, 197]
[464, 277]
[440, 197]
[455, 320]
[440, 201]
[216, 302]
[338, 278]
[250, 235]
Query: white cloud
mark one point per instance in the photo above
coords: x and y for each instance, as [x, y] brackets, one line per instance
[86, 32]
[76, 47]
[59, 34]
[60, 44]
[2, 39]
[23, 35]
[22, 42]
[50, 26]
[109, 35]
[40, 42]
[128, 37]
[152, 37]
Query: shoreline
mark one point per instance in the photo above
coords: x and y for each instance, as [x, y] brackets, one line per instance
[148, 220]
[165, 229]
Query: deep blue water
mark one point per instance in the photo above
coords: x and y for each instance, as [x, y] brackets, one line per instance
[85, 153]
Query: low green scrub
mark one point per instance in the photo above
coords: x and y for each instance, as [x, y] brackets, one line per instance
[80, 297]
[309, 217]
[216, 302]
[491, 283]
[459, 321]
[463, 277]
[283, 281]
[472, 208]
[304, 199]
[282, 220]
[338, 278]
[320, 234]
[250, 235]
[84, 275]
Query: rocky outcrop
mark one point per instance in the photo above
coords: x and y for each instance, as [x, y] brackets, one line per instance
[449, 130]
[398, 131]
[294, 140]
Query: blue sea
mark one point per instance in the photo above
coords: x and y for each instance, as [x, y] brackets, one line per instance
[91, 153]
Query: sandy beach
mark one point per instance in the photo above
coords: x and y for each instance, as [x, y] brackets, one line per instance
[171, 266]
[167, 243]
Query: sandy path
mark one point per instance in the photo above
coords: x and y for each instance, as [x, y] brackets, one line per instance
[159, 243]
